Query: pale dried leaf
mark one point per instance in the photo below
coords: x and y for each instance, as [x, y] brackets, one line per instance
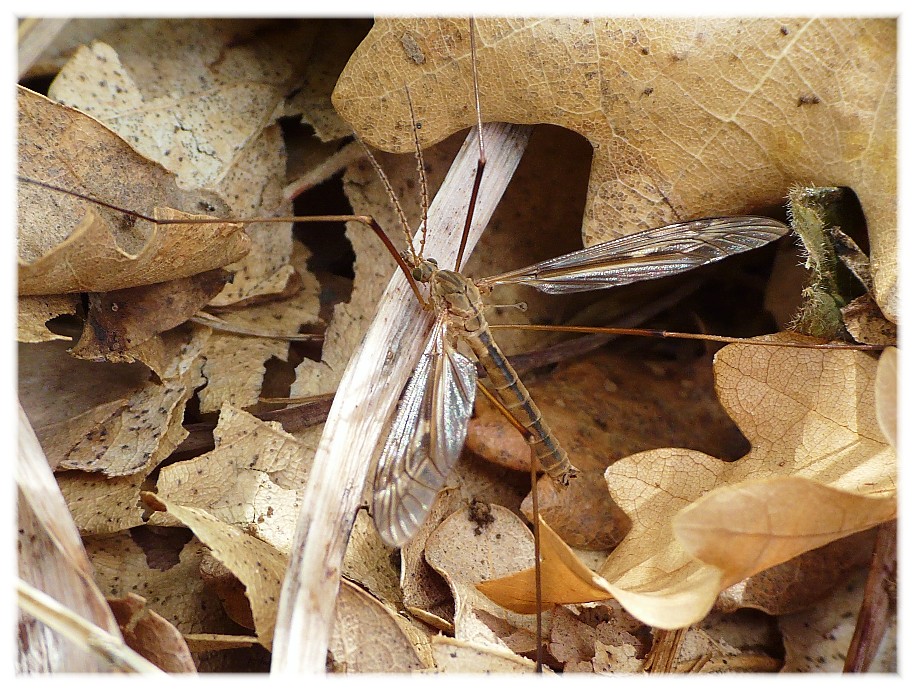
[887, 395]
[257, 564]
[866, 324]
[466, 551]
[458, 656]
[804, 95]
[90, 259]
[36, 310]
[127, 436]
[369, 562]
[70, 245]
[369, 637]
[425, 593]
[170, 583]
[199, 100]
[817, 454]
[243, 482]
[235, 364]
[148, 633]
[801, 581]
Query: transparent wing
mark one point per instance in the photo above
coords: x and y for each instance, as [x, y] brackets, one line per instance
[425, 438]
[645, 255]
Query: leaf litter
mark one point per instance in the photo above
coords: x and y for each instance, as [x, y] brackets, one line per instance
[227, 110]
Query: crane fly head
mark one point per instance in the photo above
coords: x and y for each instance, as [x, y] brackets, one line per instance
[424, 270]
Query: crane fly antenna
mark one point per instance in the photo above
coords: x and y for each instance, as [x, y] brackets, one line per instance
[407, 232]
[420, 165]
[482, 151]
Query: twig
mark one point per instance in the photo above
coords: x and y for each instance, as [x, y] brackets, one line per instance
[82, 632]
[364, 402]
[347, 155]
[878, 600]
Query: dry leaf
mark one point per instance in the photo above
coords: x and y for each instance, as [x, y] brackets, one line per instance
[866, 324]
[126, 436]
[235, 364]
[818, 470]
[458, 656]
[370, 563]
[802, 581]
[37, 310]
[151, 635]
[169, 581]
[887, 395]
[805, 94]
[251, 480]
[368, 637]
[426, 594]
[466, 551]
[199, 99]
[122, 320]
[90, 248]
[257, 564]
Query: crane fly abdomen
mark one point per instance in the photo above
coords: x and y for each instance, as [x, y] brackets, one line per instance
[463, 302]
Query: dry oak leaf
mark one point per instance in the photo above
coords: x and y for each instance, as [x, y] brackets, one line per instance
[121, 320]
[819, 469]
[236, 364]
[688, 117]
[171, 587]
[35, 311]
[257, 564]
[458, 656]
[200, 98]
[370, 637]
[465, 551]
[252, 479]
[148, 633]
[71, 245]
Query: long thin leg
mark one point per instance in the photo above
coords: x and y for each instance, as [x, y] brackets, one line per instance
[364, 220]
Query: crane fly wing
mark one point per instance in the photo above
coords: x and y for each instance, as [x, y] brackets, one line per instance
[644, 255]
[425, 438]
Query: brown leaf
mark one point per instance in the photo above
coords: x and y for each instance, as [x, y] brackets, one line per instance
[800, 582]
[866, 324]
[235, 364]
[817, 457]
[369, 562]
[251, 480]
[124, 319]
[35, 311]
[257, 564]
[369, 637]
[200, 98]
[465, 552]
[126, 436]
[172, 588]
[151, 635]
[799, 93]
[90, 248]
[458, 656]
